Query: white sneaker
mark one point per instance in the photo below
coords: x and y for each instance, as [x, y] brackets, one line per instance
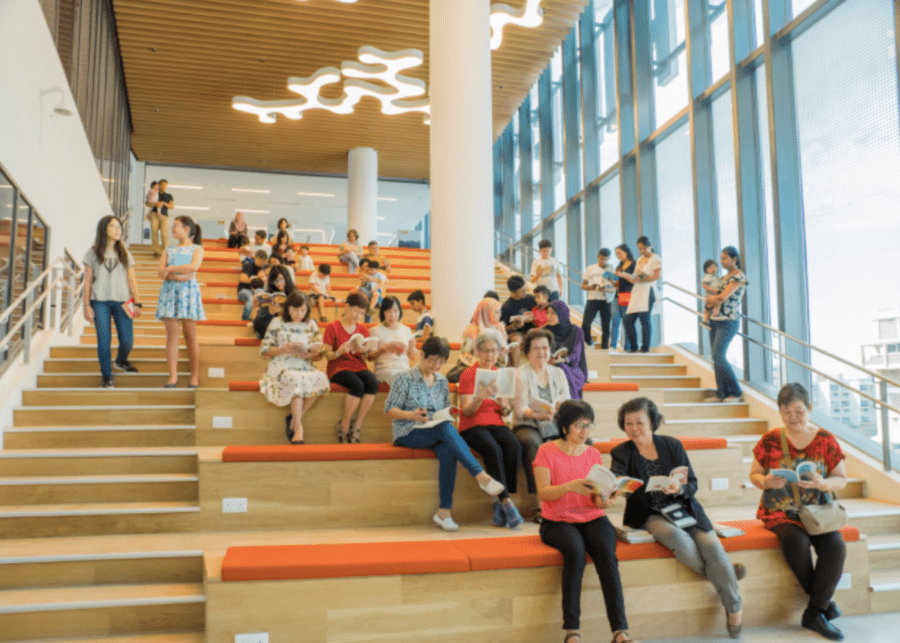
[446, 524]
[492, 488]
[733, 399]
[613, 351]
[712, 398]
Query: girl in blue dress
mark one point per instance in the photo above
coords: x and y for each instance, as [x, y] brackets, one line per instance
[179, 297]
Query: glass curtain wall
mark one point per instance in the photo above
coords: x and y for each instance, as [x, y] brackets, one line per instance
[85, 35]
[774, 128]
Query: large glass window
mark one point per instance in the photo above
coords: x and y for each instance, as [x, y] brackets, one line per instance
[535, 157]
[670, 80]
[556, 107]
[610, 215]
[719, 40]
[726, 189]
[607, 115]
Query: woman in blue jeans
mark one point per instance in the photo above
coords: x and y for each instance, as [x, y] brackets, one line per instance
[111, 293]
[623, 296]
[414, 398]
[724, 326]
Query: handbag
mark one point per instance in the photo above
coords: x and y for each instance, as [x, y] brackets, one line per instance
[816, 519]
[624, 298]
[456, 371]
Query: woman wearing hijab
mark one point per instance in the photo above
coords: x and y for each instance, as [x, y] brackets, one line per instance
[569, 336]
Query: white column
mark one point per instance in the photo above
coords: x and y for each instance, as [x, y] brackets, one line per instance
[462, 211]
[362, 193]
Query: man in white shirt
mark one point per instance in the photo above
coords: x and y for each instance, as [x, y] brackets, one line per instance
[599, 291]
[546, 271]
[259, 243]
[319, 282]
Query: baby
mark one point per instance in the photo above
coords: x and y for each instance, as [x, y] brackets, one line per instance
[712, 284]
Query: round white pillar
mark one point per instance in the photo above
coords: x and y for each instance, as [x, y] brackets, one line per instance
[362, 193]
[462, 210]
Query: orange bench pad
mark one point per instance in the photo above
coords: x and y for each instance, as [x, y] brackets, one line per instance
[316, 453]
[610, 386]
[282, 562]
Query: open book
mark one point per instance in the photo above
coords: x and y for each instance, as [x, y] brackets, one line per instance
[658, 483]
[541, 405]
[505, 378]
[634, 536]
[610, 276]
[360, 344]
[725, 531]
[560, 354]
[525, 317]
[266, 299]
[797, 473]
[315, 347]
[444, 415]
[678, 516]
[605, 482]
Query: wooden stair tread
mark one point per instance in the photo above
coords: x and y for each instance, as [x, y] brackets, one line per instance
[173, 637]
[105, 427]
[885, 580]
[86, 509]
[94, 452]
[104, 479]
[719, 420]
[94, 596]
[120, 556]
[883, 542]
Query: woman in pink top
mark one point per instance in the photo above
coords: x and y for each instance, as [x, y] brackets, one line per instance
[574, 521]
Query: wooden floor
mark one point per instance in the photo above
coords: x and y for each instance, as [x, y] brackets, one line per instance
[102, 537]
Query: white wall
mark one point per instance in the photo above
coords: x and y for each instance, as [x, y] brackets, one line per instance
[47, 156]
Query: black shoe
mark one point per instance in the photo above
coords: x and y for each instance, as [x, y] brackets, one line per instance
[814, 620]
[288, 431]
[107, 383]
[124, 367]
[832, 612]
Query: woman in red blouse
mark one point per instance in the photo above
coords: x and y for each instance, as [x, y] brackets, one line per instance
[778, 512]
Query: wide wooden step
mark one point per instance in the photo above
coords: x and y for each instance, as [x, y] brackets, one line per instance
[158, 397]
[165, 637]
[885, 591]
[75, 462]
[635, 370]
[144, 329]
[90, 352]
[91, 519]
[884, 552]
[659, 381]
[68, 489]
[95, 416]
[694, 410]
[91, 365]
[686, 395]
[618, 359]
[88, 437]
[715, 427]
[111, 609]
[121, 380]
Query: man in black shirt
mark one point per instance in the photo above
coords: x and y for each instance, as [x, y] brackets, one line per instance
[249, 270]
[158, 218]
[519, 303]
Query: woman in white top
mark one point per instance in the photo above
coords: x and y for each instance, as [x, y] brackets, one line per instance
[540, 389]
[646, 272]
[397, 343]
[349, 252]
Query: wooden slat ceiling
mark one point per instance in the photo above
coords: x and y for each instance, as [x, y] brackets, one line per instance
[207, 51]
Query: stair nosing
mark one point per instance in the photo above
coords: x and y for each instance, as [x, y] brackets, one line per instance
[57, 513]
[103, 407]
[102, 604]
[77, 453]
[17, 481]
[73, 558]
[111, 427]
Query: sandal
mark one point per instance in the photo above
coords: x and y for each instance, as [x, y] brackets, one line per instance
[340, 434]
[289, 432]
[570, 635]
[353, 437]
[624, 633]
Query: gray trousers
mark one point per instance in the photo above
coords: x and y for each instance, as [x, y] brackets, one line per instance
[701, 551]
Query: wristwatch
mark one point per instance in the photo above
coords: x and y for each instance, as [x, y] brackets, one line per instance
[138, 304]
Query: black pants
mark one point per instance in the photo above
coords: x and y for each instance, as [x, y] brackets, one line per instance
[819, 581]
[500, 451]
[531, 440]
[631, 330]
[357, 384]
[591, 308]
[573, 540]
[234, 240]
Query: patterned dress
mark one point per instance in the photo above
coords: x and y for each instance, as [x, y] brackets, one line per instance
[180, 299]
[777, 505]
[288, 376]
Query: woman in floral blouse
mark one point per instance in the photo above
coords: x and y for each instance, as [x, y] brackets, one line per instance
[724, 326]
[779, 513]
[293, 342]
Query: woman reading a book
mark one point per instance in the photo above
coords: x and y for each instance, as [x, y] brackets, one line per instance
[293, 342]
[779, 510]
[345, 351]
[481, 422]
[397, 346]
[540, 389]
[666, 507]
[416, 397]
[575, 522]
[268, 305]
[569, 337]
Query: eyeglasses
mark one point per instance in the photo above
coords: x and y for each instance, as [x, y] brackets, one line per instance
[583, 426]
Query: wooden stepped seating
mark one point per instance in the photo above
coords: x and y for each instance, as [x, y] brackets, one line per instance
[225, 289]
[344, 485]
[488, 590]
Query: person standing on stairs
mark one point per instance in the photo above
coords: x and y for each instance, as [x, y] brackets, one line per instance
[108, 282]
[179, 296]
[725, 325]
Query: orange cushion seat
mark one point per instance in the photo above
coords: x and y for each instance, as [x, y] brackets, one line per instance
[316, 452]
[222, 322]
[247, 341]
[610, 386]
[281, 562]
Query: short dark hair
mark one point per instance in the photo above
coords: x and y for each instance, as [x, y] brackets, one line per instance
[644, 404]
[543, 290]
[364, 262]
[325, 269]
[416, 295]
[644, 241]
[793, 392]
[152, 183]
[491, 294]
[260, 233]
[295, 300]
[357, 300]
[256, 283]
[515, 283]
[569, 413]
[386, 304]
[304, 248]
[276, 256]
[372, 243]
[261, 254]
[532, 335]
[163, 181]
[603, 252]
[435, 345]
[708, 263]
[545, 243]
[354, 233]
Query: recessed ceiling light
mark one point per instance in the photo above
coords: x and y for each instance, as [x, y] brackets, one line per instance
[530, 15]
[386, 198]
[186, 187]
[250, 190]
[251, 211]
[191, 207]
[323, 194]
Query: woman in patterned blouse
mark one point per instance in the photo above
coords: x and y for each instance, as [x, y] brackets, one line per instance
[724, 326]
[778, 512]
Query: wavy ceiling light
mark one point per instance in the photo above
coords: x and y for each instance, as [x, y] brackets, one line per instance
[530, 15]
[373, 64]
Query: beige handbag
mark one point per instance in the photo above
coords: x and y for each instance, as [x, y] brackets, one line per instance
[816, 519]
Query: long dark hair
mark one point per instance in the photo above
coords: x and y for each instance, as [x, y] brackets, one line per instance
[624, 248]
[187, 222]
[100, 242]
[274, 271]
[732, 252]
